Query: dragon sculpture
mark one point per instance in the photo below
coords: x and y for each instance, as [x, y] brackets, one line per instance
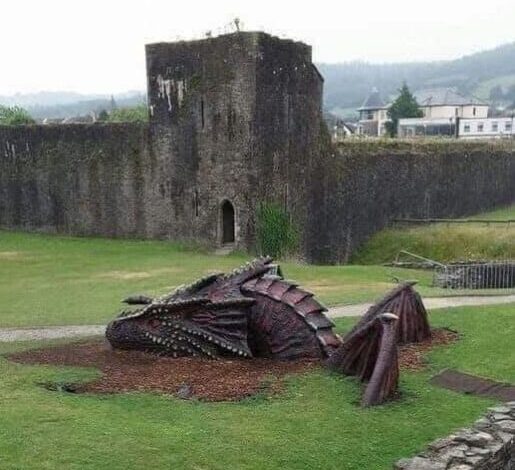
[254, 312]
[251, 312]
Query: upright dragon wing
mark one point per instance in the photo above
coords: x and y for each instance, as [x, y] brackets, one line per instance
[370, 353]
[406, 303]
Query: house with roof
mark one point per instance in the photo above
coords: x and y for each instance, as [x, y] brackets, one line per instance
[373, 115]
[445, 103]
[442, 108]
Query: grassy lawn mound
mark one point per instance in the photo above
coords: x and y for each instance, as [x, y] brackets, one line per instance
[188, 377]
[445, 242]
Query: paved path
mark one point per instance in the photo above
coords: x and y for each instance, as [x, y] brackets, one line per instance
[54, 332]
[8, 335]
[431, 303]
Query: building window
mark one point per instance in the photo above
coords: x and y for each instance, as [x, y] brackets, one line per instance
[456, 111]
[370, 115]
[466, 128]
[480, 127]
[495, 127]
[473, 111]
[507, 126]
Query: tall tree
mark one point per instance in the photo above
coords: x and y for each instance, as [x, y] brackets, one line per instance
[404, 106]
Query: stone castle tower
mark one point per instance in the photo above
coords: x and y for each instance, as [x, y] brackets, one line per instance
[234, 120]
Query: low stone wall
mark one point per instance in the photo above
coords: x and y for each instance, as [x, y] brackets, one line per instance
[488, 445]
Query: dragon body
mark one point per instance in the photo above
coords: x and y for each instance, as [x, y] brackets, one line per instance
[251, 312]
[254, 312]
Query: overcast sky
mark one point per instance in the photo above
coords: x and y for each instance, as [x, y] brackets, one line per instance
[97, 45]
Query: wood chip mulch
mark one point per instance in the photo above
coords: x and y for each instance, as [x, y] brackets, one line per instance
[411, 356]
[203, 379]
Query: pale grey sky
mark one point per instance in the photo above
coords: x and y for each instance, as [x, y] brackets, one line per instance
[97, 45]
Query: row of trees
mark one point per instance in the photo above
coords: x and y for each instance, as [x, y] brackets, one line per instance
[132, 114]
[14, 116]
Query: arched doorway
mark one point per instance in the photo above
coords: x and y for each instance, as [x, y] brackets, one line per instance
[227, 222]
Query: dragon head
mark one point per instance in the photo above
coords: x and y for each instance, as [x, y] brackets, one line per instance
[207, 318]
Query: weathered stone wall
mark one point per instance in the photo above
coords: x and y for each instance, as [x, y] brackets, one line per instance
[488, 445]
[238, 118]
[76, 179]
[367, 184]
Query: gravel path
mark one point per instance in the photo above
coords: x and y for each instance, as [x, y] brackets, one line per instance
[431, 303]
[54, 332]
[8, 335]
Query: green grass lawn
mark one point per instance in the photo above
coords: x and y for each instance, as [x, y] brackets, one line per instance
[445, 242]
[315, 424]
[52, 280]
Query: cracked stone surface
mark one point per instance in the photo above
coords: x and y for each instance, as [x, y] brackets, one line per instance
[488, 445]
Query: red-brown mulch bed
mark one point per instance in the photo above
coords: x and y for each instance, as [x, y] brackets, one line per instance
[411, 356]
[220, 380]
[205, 379]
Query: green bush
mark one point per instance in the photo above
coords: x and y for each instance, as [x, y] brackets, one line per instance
[14, 116]
[131, 114]
[276, 234]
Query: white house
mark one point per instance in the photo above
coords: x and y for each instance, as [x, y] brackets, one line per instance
[426, 127]
[373, 114]
[342, 130]
[486, 128]
[442, 108]
[446, 103]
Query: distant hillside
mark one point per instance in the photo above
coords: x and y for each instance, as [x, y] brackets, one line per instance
[61, 105]
[489, 75]
[347, 84]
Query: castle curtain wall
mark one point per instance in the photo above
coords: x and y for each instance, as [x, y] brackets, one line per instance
[365, 185]
[233, 121]
[76, 179]
[108, 180]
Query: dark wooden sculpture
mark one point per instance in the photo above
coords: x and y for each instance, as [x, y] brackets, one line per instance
[250, 312]
[254, 312]
[370, 354]
[407, 305]
[385, 376]
[369, 350]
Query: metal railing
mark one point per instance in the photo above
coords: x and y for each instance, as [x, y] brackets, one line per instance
[475, 275]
